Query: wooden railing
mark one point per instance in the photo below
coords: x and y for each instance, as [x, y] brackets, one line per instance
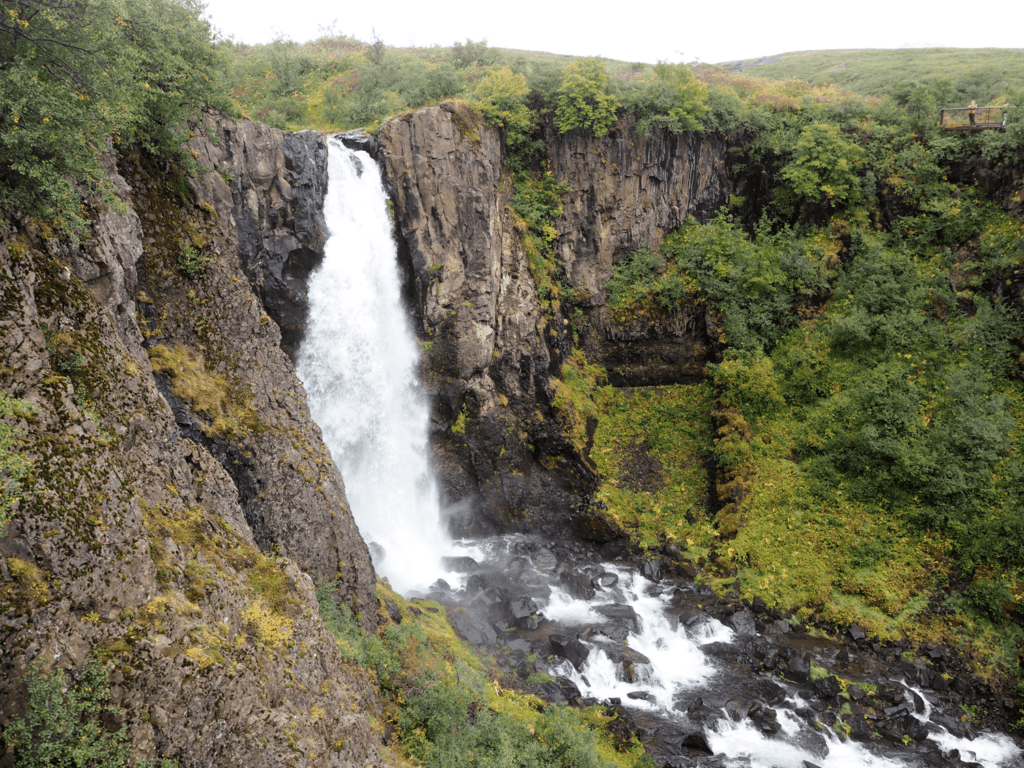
[984, 117]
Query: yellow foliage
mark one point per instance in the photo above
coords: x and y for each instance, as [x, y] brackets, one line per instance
[272, 630]
[31, 588]
[210, 393]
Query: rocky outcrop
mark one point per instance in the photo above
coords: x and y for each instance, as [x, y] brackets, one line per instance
[289, 488]
[491, 347]
[482, 327]
[278, 182]
[159, 439]
[628, 191]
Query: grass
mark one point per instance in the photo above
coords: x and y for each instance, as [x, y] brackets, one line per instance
[443, 698]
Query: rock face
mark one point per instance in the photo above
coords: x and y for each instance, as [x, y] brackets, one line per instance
[491, 348]
[278, 187]
[163, 441]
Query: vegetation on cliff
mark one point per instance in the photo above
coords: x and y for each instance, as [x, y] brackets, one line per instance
[868, 296]
[80, 76]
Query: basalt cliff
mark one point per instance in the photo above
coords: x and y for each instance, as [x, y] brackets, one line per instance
[492, 348]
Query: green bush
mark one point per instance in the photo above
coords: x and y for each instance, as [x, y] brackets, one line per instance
[76, 75]
[501, 97]
[64, 724]
[674, 99]
[824, 167]
[585, 99]
[14, 465]
[193, 262]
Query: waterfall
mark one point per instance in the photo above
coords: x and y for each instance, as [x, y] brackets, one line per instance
[359, 362]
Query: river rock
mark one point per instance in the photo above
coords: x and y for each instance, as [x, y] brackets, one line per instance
[798, 668]
[623, 615]
[742, 622]
[562, 690]
[630, 663]
[569, 648]
[577, 584]
[463, 564]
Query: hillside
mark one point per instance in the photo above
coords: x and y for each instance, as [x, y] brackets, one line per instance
[986, 74]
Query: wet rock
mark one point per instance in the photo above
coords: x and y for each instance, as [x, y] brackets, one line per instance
[742, 623]
[577, 584]
[856, 632]
[377, 553]
[856, 693]
[605, 580]
[672, 552]
[653, 570]
[562, 690]
[545, 559]
[778, 627]
[827, 687]
[473, 628]
[620, 614]
[640, 695]
[517, 566]
[770, 691]
[630, 664]
[737, 709]
[766, 720]
[613, 550]
[798, 668]
[569, 648]
[698, 742]
[459, 564]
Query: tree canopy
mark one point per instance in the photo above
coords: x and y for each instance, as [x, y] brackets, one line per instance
[76, 74]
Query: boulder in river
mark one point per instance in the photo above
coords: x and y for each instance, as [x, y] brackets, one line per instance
[577, 584]
[463, 564]
[742, 622]
[569, 648]
[620, 614]
[629, 663]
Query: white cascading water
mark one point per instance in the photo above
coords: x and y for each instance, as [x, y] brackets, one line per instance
[359, 362]
[679, 665]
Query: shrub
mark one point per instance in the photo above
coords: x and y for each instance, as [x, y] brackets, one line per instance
[14, 465]
[584, 98]
[824, 166]
[193, 262]
[501, 97]
[272, 630]
[64, 724]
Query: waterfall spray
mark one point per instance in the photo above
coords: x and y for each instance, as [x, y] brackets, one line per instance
[359, 363]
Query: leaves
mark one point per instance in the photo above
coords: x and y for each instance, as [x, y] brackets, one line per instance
[77, 75]
[584, 98]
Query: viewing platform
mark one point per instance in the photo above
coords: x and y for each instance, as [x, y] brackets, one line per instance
[985, 118]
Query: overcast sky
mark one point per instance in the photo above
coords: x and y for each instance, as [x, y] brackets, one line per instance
[632, 31]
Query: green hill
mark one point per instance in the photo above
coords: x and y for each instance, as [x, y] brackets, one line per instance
[985, 74]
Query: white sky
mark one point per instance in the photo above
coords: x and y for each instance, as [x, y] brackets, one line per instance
[636, 31]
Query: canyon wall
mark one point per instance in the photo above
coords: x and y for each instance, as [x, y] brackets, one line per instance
[172, 501]
[490, 345]
[171, 504]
